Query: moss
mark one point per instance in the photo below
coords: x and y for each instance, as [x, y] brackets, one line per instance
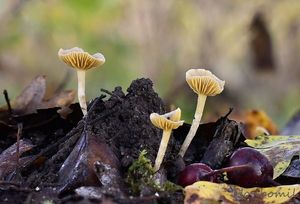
[142, 175]
[171, 187]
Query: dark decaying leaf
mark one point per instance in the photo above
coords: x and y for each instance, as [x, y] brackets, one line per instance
[78, 168]
[8, 158]
[293, 170]
[292, 174]
[228, 136]
[43, 127]
[199, 143]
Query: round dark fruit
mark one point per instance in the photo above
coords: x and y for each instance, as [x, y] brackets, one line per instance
[259, 173]
[195, 172]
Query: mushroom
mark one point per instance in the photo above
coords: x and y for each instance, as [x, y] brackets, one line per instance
[81, 61]
[167, 123]
[204, 83]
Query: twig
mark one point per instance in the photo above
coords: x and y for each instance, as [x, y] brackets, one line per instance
[229, 112]
[15, 186]
[110, 93]
[19, 134]
[10, 183]
[7, 101]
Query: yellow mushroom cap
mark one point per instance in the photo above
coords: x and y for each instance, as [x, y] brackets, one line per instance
[79, 59]
[167, 121]
[204, 82]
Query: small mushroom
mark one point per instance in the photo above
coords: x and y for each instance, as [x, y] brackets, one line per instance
[167, 123]
[81, 61]
[204, 83]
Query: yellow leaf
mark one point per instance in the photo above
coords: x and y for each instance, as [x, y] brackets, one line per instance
[203, 191]
[270, 141]
[278, 149]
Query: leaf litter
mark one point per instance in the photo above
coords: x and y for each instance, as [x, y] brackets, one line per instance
[93, 157]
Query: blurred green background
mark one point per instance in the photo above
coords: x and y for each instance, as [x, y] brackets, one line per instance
[252, 45]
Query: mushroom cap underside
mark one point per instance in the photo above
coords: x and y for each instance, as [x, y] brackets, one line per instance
[79, 59]
[167, 121]
[204, 82]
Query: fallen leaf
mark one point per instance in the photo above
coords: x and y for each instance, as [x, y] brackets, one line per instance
[31, 97]
[227, 137]
[278, 149]
[61, 99]
[203, 191]
[79, 168]
[293, 170]
[8, 158]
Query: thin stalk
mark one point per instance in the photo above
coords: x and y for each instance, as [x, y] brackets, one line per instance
[195, 124]
[19, 134]
[81, 91]
[270, 181]
[7, 102]
[227, 169]
[162, 149]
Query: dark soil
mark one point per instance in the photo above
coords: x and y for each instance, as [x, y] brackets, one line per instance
[123, 120]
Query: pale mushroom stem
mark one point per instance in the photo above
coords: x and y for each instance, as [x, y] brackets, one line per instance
[81, 91]
[162, 149]
[195, 124]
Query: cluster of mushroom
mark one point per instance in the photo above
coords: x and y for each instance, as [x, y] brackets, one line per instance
[202, 82]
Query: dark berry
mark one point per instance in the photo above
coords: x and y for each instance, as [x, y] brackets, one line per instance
[259, 173]
[195, 172]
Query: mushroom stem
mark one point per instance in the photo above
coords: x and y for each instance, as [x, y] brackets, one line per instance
[195, 124]
[81, 91]
[162, 149]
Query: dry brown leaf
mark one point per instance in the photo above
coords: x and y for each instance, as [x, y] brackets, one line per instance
[31, 97]
[61, 99]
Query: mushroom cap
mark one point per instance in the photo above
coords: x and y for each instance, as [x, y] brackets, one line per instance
[204, 82]
[167, 121]
[79, 59]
